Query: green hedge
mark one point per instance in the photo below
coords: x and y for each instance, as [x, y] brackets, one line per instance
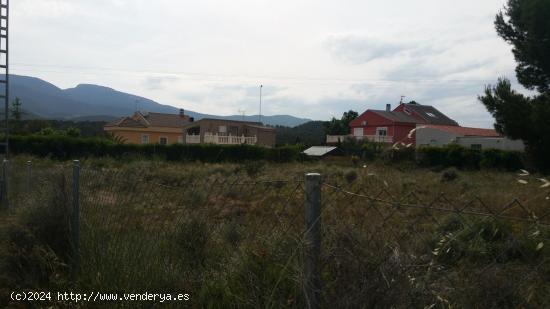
[66, 147]
[461, 157]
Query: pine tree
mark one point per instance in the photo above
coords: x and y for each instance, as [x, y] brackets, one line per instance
[525, 24]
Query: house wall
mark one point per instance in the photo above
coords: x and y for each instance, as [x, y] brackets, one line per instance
[373, 121]
[501, 143]
[265, 137]
[433, 137]
[133, 135]
[398, 131]
[402, 131]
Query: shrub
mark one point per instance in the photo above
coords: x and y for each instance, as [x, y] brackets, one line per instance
[351, 176]
[37, 242]
[372, 150]
[460, 157]
[65, 147]
[449, 175]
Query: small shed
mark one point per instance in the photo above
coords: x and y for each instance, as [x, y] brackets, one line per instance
[322, 151]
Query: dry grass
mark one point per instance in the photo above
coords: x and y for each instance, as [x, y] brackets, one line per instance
[231, 235]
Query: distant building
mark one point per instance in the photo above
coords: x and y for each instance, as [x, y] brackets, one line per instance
[475, 138]
[421, 125]
[228, 132]
[150, 128]
[394, 126]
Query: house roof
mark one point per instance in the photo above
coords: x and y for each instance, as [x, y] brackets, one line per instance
[252, 124]
[318, 151]
[464, 131]
[144, 120]
[395, 116]
[430, 114]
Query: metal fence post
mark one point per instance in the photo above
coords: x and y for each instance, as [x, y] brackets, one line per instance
[29, 176]
[313, 241]
[5, 181]
[75, 224]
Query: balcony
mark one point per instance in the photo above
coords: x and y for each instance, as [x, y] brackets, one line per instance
[192, 139]
[210, 138]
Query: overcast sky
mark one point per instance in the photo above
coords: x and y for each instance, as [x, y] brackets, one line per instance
[315, 58]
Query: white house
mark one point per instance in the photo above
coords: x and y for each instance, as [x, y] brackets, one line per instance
[437, 135]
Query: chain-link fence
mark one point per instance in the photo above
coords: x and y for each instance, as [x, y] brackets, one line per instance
[233, 241]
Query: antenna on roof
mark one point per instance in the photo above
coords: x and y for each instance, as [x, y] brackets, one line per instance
[242, 112]
[402, 97]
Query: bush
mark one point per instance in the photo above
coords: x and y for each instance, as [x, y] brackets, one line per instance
[372, 150]
[465, 158]
[351, 176]
[449, 175]
[65, 147]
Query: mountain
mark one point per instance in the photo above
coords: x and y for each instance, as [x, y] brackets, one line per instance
[92, 102]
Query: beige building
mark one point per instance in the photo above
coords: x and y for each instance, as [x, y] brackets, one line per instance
[228, 132]
[149, 128]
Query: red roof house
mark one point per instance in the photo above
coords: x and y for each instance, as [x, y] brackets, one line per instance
[397, 126]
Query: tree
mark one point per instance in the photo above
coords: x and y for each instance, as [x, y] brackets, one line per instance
[525, 24]
[341, 127]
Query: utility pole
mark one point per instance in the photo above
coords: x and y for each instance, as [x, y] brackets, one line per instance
[260, 116]
[242, 112]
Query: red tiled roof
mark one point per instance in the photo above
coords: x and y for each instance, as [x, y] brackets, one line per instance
[464, 131]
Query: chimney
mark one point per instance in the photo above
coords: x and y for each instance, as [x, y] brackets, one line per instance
[388, 107]
[182, 112]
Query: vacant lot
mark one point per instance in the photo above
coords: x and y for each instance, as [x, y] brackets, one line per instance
[232, 235]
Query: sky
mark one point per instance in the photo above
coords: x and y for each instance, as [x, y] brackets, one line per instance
[315, 58]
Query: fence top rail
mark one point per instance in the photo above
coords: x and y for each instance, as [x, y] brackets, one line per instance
[532, 218]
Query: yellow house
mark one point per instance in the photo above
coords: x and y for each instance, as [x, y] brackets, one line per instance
[150, 128]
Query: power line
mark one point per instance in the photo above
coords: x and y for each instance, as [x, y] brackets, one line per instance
[221, 77]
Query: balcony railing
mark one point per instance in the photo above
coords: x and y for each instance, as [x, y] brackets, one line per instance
[377, 138]
[334, 139]
[229, 139]
[192, 139]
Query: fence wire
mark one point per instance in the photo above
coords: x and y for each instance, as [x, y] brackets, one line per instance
[232, 240]
[434, 252]
[215, 235]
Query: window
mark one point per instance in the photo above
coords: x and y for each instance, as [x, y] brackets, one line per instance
[222, 129]
[357, 131]
[381, 131]
[145, 139]
[476, 146]
[365, 123]
[431, 115]
[234, 130]
[163, 140]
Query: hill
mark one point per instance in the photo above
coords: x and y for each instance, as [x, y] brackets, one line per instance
[98, 103]
[310, 134]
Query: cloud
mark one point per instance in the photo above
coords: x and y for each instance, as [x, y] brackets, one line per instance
[158, 82]
[359, 50]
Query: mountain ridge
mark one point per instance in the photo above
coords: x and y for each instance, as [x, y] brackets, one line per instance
[89, 101]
